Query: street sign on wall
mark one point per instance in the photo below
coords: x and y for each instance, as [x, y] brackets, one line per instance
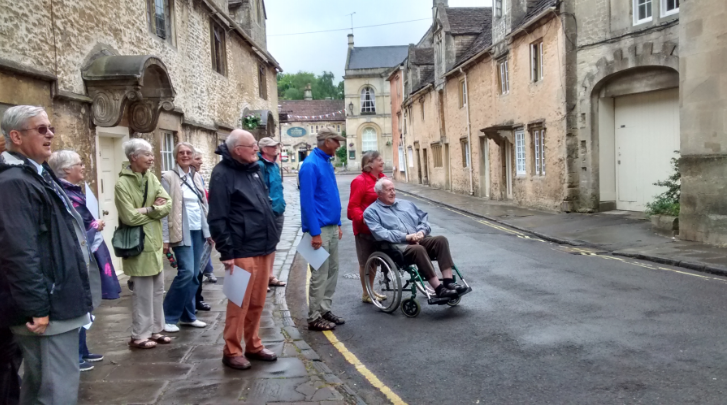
[296, 132]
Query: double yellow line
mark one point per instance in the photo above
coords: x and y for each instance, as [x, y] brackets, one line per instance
[351, 358]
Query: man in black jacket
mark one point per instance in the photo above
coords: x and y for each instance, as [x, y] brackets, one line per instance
[242, 224]
[45, 295]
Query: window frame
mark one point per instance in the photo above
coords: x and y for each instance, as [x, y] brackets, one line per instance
[536, 61]
[462, 93]
[520, 153]
[410, 156]
[538, 142]
[437, 160]
[504, 76]
[665, 12]
[498, 8]
[646, 3]
[219, 56]
[466, 156]
[368, 106]
[169, 26]
[166, 150]
[364, 142]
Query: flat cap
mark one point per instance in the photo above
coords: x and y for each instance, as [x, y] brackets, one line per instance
[328, 133]
[267, 141]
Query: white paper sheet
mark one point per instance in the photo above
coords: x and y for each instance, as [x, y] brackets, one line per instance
[314, 257]
[236, 285]
[92, 202]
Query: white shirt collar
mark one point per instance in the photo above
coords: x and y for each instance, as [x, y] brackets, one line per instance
[38, 166]
[181, 171]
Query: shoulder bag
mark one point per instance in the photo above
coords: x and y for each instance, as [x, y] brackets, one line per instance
[128, 241]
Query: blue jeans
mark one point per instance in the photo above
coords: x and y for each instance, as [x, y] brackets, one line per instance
[82, 348]
[179, 302]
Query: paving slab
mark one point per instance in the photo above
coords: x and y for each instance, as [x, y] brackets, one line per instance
[190, 369]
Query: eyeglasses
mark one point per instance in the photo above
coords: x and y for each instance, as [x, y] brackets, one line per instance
[42, 129]
[185, 152]
[78, 164]
[246, 146]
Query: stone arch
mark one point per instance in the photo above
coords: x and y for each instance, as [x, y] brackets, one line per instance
[626, 66]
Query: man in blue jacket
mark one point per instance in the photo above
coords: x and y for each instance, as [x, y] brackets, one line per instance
[320, 207]
[271, 176]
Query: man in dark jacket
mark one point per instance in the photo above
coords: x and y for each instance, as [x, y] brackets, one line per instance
[242, 224]
[45, 295]
[271, 176]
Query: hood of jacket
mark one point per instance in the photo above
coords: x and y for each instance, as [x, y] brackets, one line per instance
[229, 161]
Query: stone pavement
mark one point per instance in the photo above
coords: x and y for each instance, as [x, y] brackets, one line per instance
[620, 233]
[190, 371]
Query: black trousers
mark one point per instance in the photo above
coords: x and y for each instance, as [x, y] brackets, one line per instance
[10, 359]
[428, 249]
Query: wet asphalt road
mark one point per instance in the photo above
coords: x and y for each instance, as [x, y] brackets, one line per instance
[543, 325]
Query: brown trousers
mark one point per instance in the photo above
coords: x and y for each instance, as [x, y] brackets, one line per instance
[428, 249]
[244, 323]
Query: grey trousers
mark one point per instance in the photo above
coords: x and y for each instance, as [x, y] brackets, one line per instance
[323, 281]
[50, 369]
[280, 221]
[147, 312]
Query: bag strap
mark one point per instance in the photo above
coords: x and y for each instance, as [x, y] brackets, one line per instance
[146, 189]
[194, 189]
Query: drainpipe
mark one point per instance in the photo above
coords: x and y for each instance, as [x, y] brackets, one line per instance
[469, 131]
[403, 137]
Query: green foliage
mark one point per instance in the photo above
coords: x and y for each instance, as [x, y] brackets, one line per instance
[667, 203]
[291, 86]
[251, 121]
[342, 152]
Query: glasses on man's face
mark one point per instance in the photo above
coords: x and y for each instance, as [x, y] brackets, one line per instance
[42, 129]
[246, 146]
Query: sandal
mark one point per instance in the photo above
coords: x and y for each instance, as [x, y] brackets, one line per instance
[274, 282]
[321, 324]
[159, 338]
[333, 318]
[142, 344]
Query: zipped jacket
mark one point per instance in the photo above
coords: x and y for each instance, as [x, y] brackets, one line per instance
[271, 177]
[241, 218]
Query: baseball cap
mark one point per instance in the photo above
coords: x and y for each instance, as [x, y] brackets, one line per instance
[267, 141]
[329, 133]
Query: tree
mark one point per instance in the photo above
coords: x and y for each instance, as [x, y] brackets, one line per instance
[291, 86]
[342, 152]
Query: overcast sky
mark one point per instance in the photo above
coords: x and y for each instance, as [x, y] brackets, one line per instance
[327, 51]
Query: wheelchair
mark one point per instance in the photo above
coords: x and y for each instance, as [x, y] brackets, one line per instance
[391, 270]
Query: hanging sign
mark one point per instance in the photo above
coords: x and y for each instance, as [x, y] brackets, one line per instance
[296, 132]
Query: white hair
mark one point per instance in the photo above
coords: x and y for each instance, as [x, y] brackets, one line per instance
[15, 117]
[185, 144]
[62, 160]
[379, 187]
[133, 146]
[232, 139]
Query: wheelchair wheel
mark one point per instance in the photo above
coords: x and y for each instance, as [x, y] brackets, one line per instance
[410, 307]
[387, 281]
[454, 301]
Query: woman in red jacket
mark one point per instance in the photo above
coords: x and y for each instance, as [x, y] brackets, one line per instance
[363, 195]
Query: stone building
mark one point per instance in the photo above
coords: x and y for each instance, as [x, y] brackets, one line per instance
[627, 101]
[368, 106]
[164, 70]
[396, 90]
[703, 80]
[300, 121]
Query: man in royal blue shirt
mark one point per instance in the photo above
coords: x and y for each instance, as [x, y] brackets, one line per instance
[320, 207]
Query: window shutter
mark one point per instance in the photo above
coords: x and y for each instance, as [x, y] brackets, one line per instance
[542, 64]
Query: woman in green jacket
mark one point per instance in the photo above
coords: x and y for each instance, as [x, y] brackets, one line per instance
[145, 270]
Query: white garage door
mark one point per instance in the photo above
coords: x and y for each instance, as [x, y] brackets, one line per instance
[647, 134]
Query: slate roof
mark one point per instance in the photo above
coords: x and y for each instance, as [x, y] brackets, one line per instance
[537, 9]
[467, 20]
[423, 56]
[310, 108]
[482, 42]
[427, 79]
[373, 57]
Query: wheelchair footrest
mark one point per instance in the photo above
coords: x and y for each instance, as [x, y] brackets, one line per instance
[438, 301]
[469, 290]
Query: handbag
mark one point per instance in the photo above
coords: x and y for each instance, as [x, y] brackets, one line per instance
[128, 241]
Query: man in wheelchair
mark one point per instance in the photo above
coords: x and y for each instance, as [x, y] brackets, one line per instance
[401, 222]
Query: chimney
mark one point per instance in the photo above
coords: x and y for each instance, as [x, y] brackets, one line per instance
[350, 41]
[308, 93]
[436, 3]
